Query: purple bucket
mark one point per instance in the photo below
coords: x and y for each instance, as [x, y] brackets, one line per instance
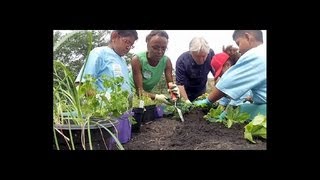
[124, 128]
[158, 113]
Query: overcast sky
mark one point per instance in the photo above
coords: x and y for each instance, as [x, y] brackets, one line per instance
[179, 41]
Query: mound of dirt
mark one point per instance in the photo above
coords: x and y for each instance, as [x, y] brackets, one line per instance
[195, 133]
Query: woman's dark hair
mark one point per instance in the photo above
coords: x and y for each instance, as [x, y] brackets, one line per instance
[126, 33]
[233, 58]
[256, 33]
[157, 32]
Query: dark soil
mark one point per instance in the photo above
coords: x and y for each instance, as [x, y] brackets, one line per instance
[195, 133]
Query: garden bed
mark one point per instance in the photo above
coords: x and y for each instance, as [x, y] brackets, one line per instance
[195, 133]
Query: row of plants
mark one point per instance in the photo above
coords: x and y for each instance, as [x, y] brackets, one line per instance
[231, 115]
[227, 115]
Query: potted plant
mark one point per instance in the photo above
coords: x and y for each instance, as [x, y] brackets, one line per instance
[78, 116]
[138, 111]
[149, 105]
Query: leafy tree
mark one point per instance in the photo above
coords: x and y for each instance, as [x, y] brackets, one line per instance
[56, 36]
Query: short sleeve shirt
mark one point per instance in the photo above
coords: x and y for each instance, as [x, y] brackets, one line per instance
[249, 73]
[104, 61]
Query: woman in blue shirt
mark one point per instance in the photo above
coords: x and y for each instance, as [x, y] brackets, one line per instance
[107, 60]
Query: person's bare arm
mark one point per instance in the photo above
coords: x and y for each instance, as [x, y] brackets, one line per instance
[168, 71]
[183, 92]
[215, 95]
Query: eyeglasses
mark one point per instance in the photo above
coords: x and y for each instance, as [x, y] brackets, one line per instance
[158, 48]
[128, 43]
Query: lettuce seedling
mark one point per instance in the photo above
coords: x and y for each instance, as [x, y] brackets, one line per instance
[256, 128]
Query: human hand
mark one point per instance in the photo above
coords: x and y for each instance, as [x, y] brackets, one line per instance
[162, 98]
[202, 102]
[223, 115]
[173, 88]
[188, 102]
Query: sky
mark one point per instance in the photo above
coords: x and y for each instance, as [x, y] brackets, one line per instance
[179, 40]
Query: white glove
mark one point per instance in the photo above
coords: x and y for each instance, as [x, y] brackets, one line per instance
[174, 89]
[162, 98]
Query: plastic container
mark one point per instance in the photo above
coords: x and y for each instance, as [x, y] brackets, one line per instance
[158, 113]
[137, 115]
[100, 137]
[124, 127]
[149, 114]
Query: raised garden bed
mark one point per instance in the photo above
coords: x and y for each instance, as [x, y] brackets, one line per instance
[195, 133]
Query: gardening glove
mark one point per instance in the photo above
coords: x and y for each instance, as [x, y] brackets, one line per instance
[174, 89]
[223, 115]
[202, 102]
[162, 98]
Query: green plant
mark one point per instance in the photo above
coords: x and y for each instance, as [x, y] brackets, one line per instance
[256, 128]
[73, 106]
[213, 114]
[233, 115]
[76, 106]
[142, 100]
[112, 102]
[171, 109]
[205, 107]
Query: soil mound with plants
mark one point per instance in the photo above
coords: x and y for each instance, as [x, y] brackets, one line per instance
[195, 133]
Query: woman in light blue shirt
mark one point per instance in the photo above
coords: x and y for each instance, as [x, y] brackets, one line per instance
[107, 60]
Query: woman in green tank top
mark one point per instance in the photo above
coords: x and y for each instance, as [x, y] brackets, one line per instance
[148, 66]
